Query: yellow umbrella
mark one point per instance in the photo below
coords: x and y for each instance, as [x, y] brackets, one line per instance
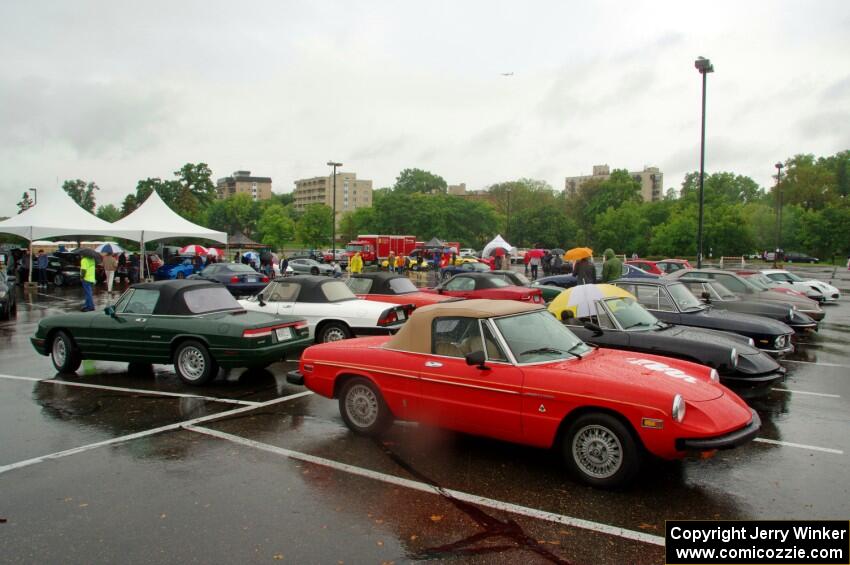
[581, 299]
[577, 253]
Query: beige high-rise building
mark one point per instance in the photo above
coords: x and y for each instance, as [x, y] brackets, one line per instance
[651, 181]
[241, 182]
[457, 189]
[350, 192]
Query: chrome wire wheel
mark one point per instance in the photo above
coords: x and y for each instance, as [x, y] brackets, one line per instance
[59, 351]
[361, 405]
[192, 363]
[334, 334]
[597, 451]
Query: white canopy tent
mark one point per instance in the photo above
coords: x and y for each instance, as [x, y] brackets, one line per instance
[56, 214]
[154, 220]
[498, 242]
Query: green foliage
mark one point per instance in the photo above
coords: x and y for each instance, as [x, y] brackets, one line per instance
[626, 229]
[275, 226]
[237, 214]
[109, 213]
[81, 192]
[412, 181]
[314, 227]
[25, 203]
[596, 196]
[129, 205]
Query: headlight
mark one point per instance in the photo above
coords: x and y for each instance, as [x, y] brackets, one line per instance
[2, 294]
[678, 412]
[752, 342]
[780, 341]
[733, 359]
[715, 376]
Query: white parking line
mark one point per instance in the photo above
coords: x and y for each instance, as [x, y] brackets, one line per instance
[425, 487]
[137, 390]
[58, 297]
[821, 363]
[807, 392]
[799, 445]
[154, 431]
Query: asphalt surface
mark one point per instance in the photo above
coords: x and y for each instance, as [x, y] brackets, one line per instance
[105, 466]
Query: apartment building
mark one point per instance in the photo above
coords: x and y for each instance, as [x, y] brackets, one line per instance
[351, 193]
[651, 181]
[241, 182]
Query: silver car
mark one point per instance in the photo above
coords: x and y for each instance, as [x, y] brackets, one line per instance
[310, 267]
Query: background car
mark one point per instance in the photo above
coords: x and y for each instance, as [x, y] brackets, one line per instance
[468, 251]
[814, 289]
[483, 285]
[391, 288]
[719, 297]
[672, 265]
[672, 302]
[176, 267]
[622, 323]
[306, 266]
[645, 265]
[240, 280]
[189, 324]
[510, 371]
[797, 257]
[8, 297]
[549, 292]
[466, 267]
[332, 311]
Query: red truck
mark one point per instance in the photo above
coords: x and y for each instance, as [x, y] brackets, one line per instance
[375, 247]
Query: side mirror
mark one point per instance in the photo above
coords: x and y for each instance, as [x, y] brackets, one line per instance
[439, 290]
[477, 358]
[260, 299]
[110, 311]
[594, 328]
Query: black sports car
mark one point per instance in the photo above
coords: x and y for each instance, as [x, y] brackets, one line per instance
[718, 296]
[671, 301]
[238, 278]
[622, 323]
[8, 304]
[563, 281]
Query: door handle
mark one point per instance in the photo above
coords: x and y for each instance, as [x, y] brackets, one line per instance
[433, 364]
[286, 305]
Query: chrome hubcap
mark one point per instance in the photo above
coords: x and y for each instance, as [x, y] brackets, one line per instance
[59, 351]
[597, 451]
[361, 404]
[334, 334]
[192, 363]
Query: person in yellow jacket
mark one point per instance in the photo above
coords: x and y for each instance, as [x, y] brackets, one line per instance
[356, 265]
[87, 278]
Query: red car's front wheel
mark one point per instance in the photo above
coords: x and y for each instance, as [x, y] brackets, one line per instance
[601, 451]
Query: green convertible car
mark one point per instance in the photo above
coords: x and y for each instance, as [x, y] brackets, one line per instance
[195, 325]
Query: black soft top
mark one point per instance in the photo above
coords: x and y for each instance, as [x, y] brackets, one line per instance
[311, 286]
[380, 281]
[656, 282]
[171, 301]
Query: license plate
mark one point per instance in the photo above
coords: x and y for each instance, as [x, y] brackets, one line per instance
[283, 334]
[252, 279]
[401, 315]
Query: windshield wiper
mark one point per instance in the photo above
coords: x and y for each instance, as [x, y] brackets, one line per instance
[663, 325]
[636, 324]
[543, 350]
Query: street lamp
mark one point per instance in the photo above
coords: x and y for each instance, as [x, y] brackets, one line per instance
[34, 194]
[333, 220]
[704, 67]
[508, 225]
[778, 214]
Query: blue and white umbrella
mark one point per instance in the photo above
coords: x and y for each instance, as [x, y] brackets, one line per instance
[109, 247]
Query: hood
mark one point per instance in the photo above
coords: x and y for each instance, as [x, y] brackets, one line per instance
[651, 378]
[702, 335]
[608, 254]
[800, 302]
[757, 363]
[725, 320]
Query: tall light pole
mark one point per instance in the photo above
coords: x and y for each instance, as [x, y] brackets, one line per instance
[333, 220]
[704, 67]
[778, 214]
[508, 225]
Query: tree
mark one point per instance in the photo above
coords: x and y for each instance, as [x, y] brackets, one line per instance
[237, 214]
[129, 205]
[275, 227]
[81, 192]
[411, 181]
[625, 229]
[109, 213]
[196, 186]
[314, 227]
[721, 188]
[25, 203]
[596, 196]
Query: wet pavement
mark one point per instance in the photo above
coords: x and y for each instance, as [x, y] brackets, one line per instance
[108, 466]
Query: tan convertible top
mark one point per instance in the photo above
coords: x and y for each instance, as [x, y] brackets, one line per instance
[415, 335]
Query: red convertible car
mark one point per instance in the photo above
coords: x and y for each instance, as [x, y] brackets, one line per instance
[510, 371]
[391, 288]
[484, 285]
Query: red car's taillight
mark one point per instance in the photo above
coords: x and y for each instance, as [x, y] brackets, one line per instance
[257, 332]
[234, 279]
[300, 324]
[387, 318]
[264, 279]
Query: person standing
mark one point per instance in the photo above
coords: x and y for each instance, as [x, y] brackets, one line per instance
[585, 272]
[400, 264]
[391, 262]
[356, 264]
[337, 269]
[109, 266]
[41, 263]
[613, 267]
[87, 278]
[534, 262]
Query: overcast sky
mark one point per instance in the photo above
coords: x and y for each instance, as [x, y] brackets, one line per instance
[117, 91]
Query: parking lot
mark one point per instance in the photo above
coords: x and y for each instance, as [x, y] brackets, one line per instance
[108, 466]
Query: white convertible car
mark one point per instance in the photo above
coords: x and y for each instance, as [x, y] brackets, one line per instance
[812, 288]
[332, 311]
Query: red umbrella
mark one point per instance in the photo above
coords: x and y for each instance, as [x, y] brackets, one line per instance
[498, 252]
[214, 252]
[193, 250]
[531, 253]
